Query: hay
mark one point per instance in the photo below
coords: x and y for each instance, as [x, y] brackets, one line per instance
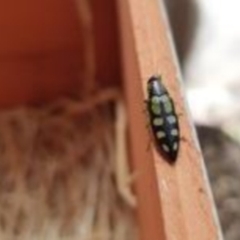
[63, 167]
[57, 177]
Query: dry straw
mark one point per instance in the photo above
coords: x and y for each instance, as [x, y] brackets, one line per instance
[63, 167]
[58, 177]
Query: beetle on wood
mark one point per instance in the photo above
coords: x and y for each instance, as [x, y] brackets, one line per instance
[163, 119]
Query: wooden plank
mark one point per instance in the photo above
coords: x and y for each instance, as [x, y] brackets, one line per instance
[182, 207]
[149, 208]
[40, 51]
[106, 42]
[41, 25]
[40, 77]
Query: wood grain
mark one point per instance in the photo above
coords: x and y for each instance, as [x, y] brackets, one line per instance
[182, 209]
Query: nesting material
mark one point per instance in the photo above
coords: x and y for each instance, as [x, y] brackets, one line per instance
[57, 177]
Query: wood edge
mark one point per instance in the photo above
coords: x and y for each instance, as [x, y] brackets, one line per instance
[145, 184]
[186, 203]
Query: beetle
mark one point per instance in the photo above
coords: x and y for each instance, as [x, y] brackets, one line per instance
[163, 119]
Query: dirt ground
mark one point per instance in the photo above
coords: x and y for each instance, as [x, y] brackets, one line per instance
[221, 156]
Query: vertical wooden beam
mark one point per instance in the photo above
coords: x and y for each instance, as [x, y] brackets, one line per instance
[106, 37]
[149, 208]
[174, 201]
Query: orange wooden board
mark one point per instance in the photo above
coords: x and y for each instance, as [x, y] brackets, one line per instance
[40, 50]
[183, 208]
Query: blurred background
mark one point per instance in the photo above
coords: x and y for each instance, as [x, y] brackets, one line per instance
[207, 39]
[42, 43]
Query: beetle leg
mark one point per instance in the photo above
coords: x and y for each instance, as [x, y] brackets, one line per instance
[144, 110]
[183, 139]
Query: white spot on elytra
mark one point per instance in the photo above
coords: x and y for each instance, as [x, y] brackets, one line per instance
[157, 121]
[155, 106]
[171, 119]
[156, 99]
[175, 146]
[160, 134]
[164, 98]
[165, 148]
[174, 132]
